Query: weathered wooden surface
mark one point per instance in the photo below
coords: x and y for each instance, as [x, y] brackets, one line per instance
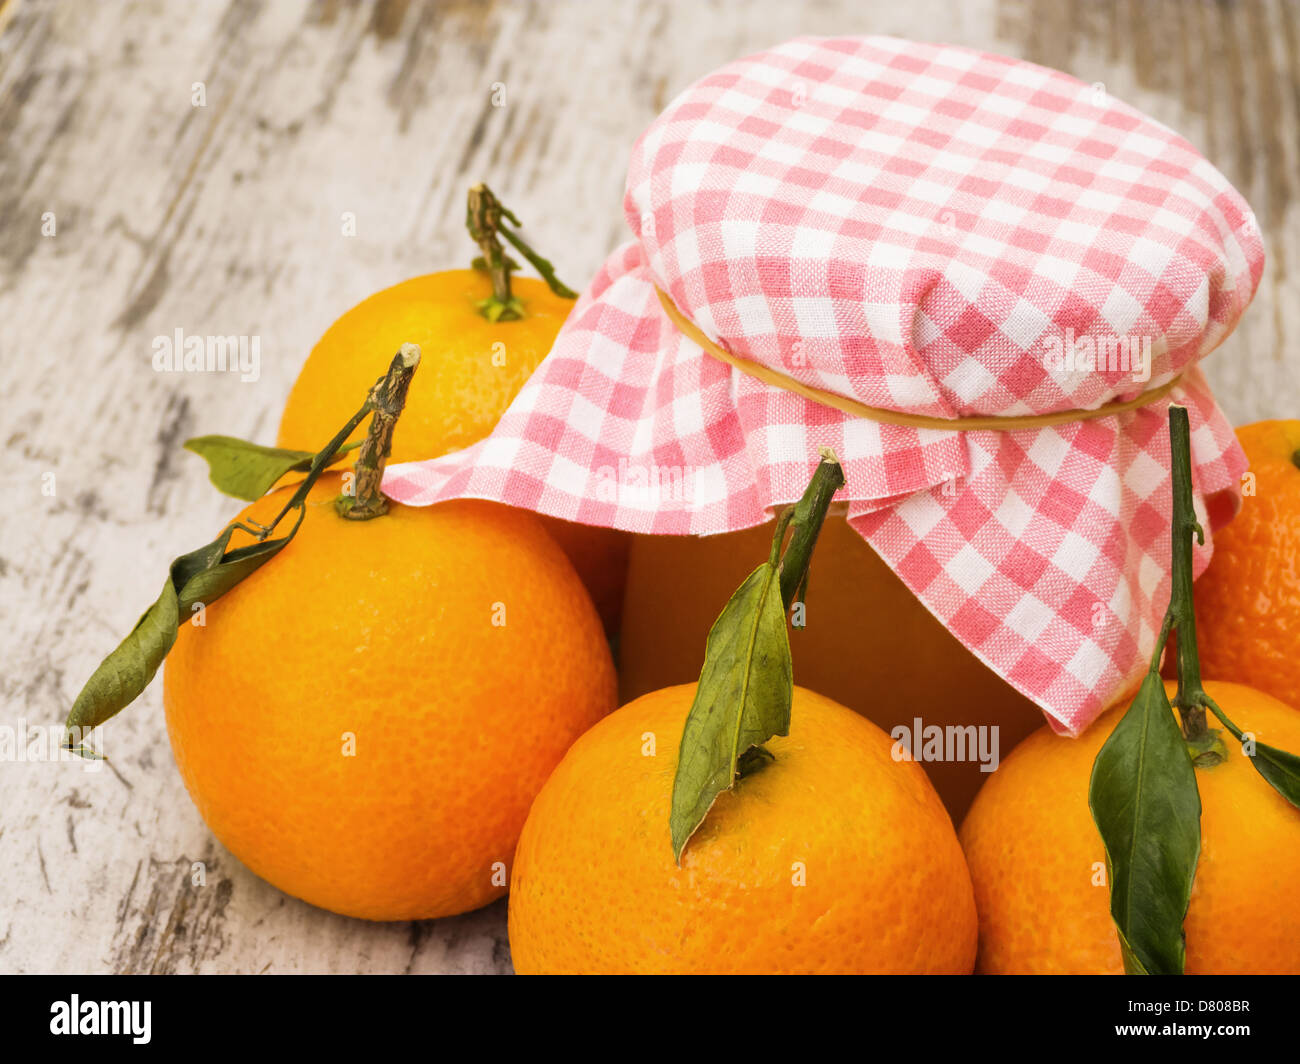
[226, 219]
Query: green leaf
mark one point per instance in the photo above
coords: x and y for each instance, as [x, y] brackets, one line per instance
[248, 470]
[245, 470]
[743, 699]
[1144, 800]
[1132, 964]
[208, 584]
[202, 575]
[1280, 768]
[126, 672]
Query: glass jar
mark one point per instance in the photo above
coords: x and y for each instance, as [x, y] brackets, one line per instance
[867, 642]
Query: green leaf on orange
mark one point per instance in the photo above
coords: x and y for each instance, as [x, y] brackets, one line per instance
[742, 700]
[201, 576]
[247, 470]
[1144, 800]
[1280, 768]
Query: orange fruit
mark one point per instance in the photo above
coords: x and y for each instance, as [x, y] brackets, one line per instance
[1038, 863]
[472, 369]
[1248, 599]
[832, 858]
[868, 643]
[365, 719]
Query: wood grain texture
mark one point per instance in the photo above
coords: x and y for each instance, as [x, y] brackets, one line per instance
[226, 219]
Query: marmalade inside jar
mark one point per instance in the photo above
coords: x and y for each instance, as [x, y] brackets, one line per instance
[867, 643]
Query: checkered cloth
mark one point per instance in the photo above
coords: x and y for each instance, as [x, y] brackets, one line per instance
[925, 229]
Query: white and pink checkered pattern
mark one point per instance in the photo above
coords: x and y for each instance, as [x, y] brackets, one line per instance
[925, 229]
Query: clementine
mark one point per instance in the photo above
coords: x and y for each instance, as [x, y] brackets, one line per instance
[834, 857]
[1039, 866]
[365, 720]
[1248, 599]
[472, 370]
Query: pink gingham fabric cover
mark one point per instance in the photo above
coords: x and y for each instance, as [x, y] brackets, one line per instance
[918, 227]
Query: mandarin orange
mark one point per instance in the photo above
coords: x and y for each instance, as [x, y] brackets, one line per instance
[833, 857]
[365, 720]
[1039, 866]
[1248, 599]
[472, 370]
